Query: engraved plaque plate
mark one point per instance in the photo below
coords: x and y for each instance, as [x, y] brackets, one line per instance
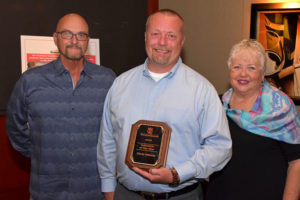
[148, 145]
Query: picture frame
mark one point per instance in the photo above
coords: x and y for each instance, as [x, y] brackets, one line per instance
[40, 50]
[277, 27]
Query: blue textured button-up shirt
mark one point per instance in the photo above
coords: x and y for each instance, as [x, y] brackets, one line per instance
[57, 126]
[200, 141]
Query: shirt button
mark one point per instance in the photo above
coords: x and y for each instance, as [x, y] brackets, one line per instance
[73, 108]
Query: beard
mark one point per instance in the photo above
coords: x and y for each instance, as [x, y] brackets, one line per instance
[159, 59]
[74, 56]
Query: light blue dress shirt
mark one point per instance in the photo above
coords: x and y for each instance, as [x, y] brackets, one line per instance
[200, 141]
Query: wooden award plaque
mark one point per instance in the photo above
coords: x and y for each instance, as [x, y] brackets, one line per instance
[148, 145]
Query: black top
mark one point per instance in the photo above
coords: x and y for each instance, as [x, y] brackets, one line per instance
[257, 169]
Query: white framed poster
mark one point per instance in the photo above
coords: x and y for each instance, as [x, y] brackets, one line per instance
[39, 50]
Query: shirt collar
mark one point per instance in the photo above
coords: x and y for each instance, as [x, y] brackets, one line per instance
[171, 72]
[59, 67]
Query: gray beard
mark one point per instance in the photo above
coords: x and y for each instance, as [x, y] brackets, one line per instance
[159, 62]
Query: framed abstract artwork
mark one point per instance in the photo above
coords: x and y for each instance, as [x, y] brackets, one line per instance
[277, 28]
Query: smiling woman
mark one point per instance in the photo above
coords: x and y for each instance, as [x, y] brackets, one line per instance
[246, 66]
[265, 131]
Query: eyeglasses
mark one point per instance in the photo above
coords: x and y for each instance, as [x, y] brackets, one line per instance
[68, 35]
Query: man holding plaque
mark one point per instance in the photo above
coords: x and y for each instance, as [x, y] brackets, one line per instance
[163, 125]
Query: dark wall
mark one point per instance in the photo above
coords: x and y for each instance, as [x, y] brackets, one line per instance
[118, 23]
[14, 169]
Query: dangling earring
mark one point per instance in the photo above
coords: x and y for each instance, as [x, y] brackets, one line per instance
[263, 79]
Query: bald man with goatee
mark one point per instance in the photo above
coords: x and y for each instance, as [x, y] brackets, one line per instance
[54, 114]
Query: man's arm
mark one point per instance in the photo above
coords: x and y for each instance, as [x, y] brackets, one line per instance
[216, 142]
[214, 153]
[17, 126]
[106, 151]
[292, 186]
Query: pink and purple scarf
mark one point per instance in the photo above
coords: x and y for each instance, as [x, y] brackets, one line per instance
[273, 115]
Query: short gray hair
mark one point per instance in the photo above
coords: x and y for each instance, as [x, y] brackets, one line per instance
[250, 44]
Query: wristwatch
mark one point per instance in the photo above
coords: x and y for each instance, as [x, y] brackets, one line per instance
[176, 178]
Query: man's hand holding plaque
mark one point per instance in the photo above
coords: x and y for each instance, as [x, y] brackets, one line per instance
[148, 145]
[161, 175]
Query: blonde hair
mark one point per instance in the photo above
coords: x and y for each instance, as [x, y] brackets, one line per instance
[249, 44]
